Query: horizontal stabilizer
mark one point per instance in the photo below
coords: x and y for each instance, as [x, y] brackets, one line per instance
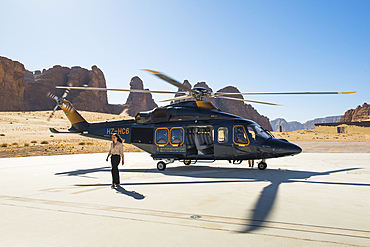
[63, 132]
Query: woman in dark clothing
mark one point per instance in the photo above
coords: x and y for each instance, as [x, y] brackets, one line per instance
[116, 153]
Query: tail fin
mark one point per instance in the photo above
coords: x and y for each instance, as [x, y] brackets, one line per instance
[79, 124]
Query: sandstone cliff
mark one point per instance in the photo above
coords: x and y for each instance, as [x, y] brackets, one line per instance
[82, 100]
[361, 113]
[23, 90]
[12, 85]
[138, 102]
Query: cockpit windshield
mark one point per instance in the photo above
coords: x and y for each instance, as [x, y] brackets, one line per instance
[257, 132]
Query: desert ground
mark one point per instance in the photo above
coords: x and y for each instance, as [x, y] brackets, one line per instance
[27, 134]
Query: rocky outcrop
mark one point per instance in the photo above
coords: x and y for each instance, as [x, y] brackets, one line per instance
[24, 90]
[361, 113]
[138, 102]
[82, 100]
[12, 85]
[240, 108]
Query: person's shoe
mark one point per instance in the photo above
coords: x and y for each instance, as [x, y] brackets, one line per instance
[112, 186]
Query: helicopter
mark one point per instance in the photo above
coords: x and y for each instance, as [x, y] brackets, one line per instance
[188, 131]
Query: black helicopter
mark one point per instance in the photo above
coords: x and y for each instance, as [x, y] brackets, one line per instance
[188, 131]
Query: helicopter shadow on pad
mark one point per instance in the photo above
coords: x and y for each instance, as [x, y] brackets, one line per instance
[84, 172]
[265, 203]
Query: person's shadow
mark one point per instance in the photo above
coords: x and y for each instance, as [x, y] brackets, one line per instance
[134, 194]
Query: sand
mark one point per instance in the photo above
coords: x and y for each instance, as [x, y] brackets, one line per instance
[27, 134]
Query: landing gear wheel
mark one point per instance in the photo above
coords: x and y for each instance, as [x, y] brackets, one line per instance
[161, 166]
[262, 165]
[187, 162]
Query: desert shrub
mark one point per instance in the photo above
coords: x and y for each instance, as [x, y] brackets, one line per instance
[4, 145]
[33, 141]
[2, 134]
[26, 144]
[81, 143]
[89, 143]
[44, 142]
[51, 136]
[15, 144]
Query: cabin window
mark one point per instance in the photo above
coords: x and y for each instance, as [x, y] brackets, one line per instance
[161, 136]
[240, 136]
[222, 134]
[177, 136]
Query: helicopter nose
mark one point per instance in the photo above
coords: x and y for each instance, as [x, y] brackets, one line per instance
[294, 149]
[284, 147]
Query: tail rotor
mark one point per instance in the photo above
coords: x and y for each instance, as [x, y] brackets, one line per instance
[58, 100]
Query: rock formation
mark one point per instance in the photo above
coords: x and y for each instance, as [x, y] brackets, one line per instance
[138, 102]
[12, 85]
[361, 113]
[240, 108]
[23, 90]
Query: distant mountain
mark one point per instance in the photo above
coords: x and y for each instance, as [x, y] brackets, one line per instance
[294, 125]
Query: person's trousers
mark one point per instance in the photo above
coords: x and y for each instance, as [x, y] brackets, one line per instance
[115, 159]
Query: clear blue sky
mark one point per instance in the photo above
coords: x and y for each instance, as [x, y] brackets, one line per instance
[257, 46]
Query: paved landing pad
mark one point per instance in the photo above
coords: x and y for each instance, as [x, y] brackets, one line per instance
[307, 200]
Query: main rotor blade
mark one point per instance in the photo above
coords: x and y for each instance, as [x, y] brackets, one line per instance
[252, 101]
[171, 81]
[287, 93]
[177, 98]
[119, 90]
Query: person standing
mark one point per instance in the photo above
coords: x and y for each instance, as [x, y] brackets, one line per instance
[116, 153]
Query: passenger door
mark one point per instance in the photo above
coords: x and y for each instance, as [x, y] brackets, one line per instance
[223, 142]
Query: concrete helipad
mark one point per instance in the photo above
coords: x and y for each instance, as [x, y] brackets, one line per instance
[306, 200]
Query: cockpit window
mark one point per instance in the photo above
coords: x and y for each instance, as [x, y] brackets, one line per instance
[257, 132]
[161, 136]
[240, 136]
